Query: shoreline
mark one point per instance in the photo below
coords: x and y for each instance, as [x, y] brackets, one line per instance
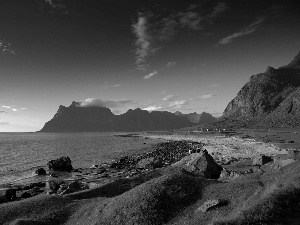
[225, 150]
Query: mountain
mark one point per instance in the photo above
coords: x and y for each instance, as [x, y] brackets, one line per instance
[269, 99]
[93, 119]
[197, 118]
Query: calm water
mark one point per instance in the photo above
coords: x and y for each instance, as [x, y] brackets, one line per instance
[22, 153]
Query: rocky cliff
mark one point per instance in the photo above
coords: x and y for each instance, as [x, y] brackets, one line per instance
[93, 119]
[201, 118]
[269, 99]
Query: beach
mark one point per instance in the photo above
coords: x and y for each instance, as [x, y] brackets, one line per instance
[127, 174]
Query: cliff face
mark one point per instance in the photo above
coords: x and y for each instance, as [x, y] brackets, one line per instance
[269, 99]
[198, 118]
[92, 119]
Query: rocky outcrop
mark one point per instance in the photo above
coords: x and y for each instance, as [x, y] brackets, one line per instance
[96, 119]
[269, 99]
[200, 164]
[61, 164]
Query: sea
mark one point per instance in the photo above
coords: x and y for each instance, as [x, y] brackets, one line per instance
[22, 153]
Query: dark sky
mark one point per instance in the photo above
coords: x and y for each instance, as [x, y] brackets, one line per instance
[190, 56]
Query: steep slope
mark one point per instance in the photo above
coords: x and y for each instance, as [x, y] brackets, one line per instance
[268, 99]
[92, 119]
[197, 118]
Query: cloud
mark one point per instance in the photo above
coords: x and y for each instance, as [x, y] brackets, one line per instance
[190, 20]
[170, 64]
[10, 107]
[206, 96]
[96, 102]
[153, 30]
[143, 40]
[53, 6]
[217, 10]
[4, 123]
[245, 31]
[167, 105]
[150, 75]
[6, 48]
[2, 112]
[214, 85]
[153, 108]
[169, 97]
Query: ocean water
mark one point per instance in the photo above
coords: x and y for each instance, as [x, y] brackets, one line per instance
[22, 153]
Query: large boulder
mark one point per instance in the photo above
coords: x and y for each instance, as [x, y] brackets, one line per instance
[40, 171]
[61, 164]
[200, 164]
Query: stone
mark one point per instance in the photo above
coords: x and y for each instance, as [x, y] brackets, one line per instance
[11, 194]
[61, 164]
[208, 205]
[26, 195]
[53, 183]
[149, 163]
[201, 164]
[40, 171]
[261, 160]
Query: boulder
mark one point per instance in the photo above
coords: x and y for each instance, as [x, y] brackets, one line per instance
[53, 184]
[40, 171]
[261, 160]
[26, 195]
[61, 164]
[11, 194]
[149, 163]
[201, 164]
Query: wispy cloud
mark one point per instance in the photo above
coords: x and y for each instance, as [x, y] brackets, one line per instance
[96, 102]
[245, 31]
[53, 6]
[152, 31]
[214, 85]
[10, 107]
[6, 48]
[219, 8]
[4, 123]
[169, 97]
[205, 96]
[143, 41]
[171, 64]
[150, 75]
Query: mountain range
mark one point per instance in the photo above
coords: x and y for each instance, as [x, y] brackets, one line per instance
[93, 119]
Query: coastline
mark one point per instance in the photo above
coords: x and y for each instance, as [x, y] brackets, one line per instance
[111, 186]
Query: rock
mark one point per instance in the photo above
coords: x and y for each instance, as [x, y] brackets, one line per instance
[53, 184]
[208, 205]
[11, 194]
[149, 163]
[261, 160]
[61, 164]
[40, 171]
[201, 164]
[26, 195]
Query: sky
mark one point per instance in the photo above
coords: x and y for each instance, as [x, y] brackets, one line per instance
[187, 56]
